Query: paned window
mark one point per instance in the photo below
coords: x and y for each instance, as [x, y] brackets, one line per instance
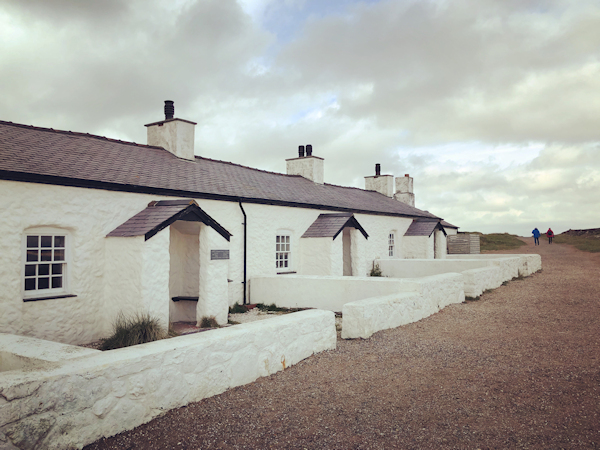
[45, 263]
[391, 244]
[282, 252]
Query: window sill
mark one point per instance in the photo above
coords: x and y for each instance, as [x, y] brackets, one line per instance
[286, 273]
[50, 297]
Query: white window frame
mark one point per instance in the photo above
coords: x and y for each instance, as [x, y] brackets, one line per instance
[283, 251]
[65, 264]
[392, 244]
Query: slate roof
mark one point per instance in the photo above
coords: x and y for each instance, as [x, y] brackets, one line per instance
[161, 214]
[422, 228]
[330, 225]
[49, 156]
[448, 225]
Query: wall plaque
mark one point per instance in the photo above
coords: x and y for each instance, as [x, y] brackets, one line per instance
[219, 254]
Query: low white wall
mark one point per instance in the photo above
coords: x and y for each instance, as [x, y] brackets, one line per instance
[78, 401]
[412, 268]
[330, 293]
[22, 352]
[479, 280]
[364, 317]
[528, 263]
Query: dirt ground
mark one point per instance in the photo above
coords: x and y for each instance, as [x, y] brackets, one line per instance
[518, 368]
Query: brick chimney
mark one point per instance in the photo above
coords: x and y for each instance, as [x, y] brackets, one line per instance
[306, 165]
[384, 184]
[404, 190]
[174, 135]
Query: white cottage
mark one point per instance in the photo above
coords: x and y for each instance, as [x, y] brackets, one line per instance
[92, 227]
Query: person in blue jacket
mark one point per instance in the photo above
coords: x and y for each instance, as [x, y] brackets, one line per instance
[536, 236]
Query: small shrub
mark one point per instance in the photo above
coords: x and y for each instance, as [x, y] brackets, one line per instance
[471, 299]
[376, 271]
[209, 322]
[238, 309]
[271, 307]
[133, 330]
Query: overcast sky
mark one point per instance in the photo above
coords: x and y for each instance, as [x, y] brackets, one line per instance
[493, 106]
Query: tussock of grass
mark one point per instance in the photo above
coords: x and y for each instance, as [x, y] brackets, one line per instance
[133, 330]
[499, 241]
[209, 322]
[583, 243]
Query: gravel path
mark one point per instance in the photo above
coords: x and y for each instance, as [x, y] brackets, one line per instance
[516, 369]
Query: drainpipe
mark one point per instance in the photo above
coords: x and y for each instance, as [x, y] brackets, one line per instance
[245, 266]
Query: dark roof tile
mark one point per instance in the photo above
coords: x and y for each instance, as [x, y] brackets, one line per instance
[83, 158]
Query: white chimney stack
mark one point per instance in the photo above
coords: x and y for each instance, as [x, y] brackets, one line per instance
[307, 166]
[404, 190]
[174, 135]
[384, 184]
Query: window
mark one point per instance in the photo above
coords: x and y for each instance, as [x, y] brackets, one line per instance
[45, 263]
[391, 244]
[282, 252]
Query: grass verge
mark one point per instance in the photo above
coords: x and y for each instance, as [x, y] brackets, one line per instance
[499, 241]
[585, 244]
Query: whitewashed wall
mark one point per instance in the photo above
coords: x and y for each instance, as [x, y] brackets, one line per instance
[418, 247]
[428, 295]
[76, 402]
[527, 265]
[90, 214]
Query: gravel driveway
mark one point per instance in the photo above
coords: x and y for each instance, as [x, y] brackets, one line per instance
[518, 368]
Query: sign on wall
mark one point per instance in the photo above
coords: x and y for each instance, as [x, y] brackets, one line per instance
[219, 254]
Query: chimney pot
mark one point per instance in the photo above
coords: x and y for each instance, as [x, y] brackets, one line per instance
[377, 170]
[301, 151]
[309, 150]
[169, 109]
[406, 175]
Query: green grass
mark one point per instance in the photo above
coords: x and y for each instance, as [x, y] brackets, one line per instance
[271, 307]
[133, 330]
[586, 244]
[209, 322]
[237, 309]
[499, 241]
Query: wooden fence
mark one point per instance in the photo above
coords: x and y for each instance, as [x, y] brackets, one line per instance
[463, 244]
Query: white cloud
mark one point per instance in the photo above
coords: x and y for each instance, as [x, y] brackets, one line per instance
[491, 105]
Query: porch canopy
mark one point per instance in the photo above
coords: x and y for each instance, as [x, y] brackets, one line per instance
[330, 225]
[158, 215]
[424, 228]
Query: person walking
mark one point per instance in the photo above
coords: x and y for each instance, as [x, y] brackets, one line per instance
[550, 235]
[536, 236]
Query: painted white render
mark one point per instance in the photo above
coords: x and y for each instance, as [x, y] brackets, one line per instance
[74, 402]
[174, 135]
[310, 167]
[110, 275]
[404, 190]
[428, 295]
[451, 231]
[384, 184]
[418, 247]
[439, 244]
[332, 293]
[528, 263]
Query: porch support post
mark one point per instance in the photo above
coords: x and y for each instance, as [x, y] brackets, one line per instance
[213, 298]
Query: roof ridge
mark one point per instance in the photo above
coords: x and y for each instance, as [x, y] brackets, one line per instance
[77, 133]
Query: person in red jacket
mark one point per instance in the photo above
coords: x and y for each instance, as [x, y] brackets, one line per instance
[550, 235]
